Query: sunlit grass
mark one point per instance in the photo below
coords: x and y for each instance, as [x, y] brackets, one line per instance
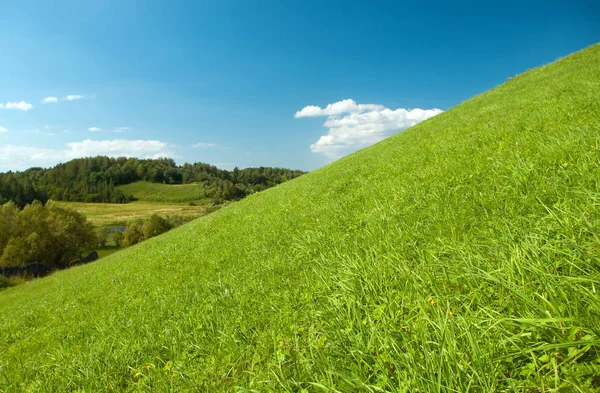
[460, 255]
[107, 250]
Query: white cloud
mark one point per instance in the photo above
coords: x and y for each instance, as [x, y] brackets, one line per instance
[122, 129]
[353, 126]
[2, 129]
[337, 108]
[23, 106]
[50, 100]
[204, 145]
[73, 97]
[94, 129]
[118, 148]
[23, 157]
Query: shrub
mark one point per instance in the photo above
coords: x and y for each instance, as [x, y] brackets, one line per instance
[132, 235]
[155, 226]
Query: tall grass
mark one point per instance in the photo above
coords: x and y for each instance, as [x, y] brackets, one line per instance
[461, 255]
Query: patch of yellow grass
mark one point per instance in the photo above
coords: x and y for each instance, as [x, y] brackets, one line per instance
[104, 214]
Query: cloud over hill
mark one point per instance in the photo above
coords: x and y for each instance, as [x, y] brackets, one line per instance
[353, 126]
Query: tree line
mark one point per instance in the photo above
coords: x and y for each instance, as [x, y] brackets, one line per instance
[96, 179]
[138, 232]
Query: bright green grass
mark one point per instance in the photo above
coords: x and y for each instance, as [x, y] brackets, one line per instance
[165, 193]
[106, 251]
[460, 255]
[114, 214]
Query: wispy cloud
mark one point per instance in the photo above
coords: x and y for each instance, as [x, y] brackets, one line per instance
[353, 126]
[38, 132]
[50, 100]
[2, 129]
[23, 157]
[204, 145]
[73, 97]
[94, 129]
[118, 148]
[22, 106]
[122, 129]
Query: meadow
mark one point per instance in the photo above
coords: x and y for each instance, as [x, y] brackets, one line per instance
[117, 214]
[461, 255]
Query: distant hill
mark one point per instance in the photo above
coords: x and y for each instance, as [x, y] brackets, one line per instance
[461, 255]
[167, 193]
[97, 179]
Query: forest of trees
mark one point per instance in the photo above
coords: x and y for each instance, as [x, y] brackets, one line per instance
[96, 179]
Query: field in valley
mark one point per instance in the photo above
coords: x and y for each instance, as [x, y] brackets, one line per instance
[114, 214]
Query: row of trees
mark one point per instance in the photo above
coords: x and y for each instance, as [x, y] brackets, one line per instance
[154, 226]
[96, 179]
[49, 235]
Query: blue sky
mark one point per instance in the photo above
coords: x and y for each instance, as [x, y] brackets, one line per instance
[229, 82]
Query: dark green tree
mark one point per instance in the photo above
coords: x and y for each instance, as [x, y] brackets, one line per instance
[48, 235]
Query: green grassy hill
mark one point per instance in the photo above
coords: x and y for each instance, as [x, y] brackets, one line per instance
[460, 255]
[165, 193]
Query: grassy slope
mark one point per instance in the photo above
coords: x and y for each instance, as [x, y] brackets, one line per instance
[165, 193]
[112, 214]
[461, 254]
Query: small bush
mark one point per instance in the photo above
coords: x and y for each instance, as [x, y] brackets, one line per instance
[132, 235]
